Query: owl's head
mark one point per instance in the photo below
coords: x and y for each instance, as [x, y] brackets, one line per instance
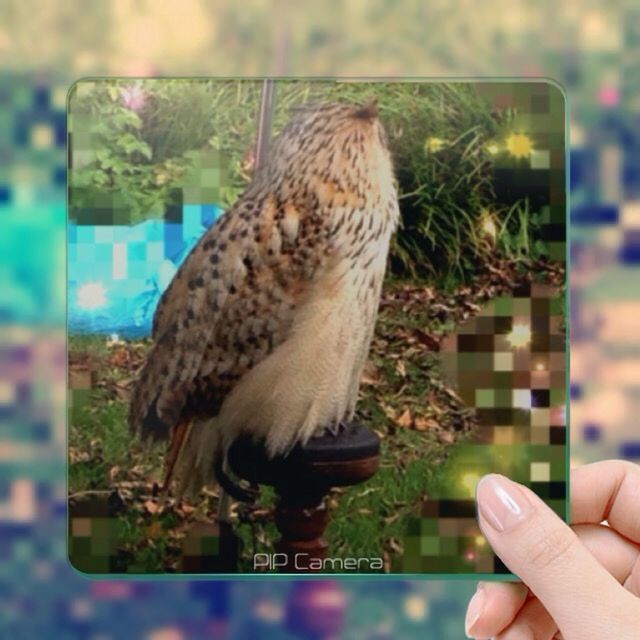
[332, 142]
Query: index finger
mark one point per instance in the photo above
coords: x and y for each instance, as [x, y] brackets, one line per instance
[610, 491]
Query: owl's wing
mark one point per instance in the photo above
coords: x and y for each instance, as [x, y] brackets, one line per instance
[250, 267]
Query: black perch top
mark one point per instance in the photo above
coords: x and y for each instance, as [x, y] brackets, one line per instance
[347, 458]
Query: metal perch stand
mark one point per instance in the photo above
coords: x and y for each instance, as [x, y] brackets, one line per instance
[264, 121]
[302, 480]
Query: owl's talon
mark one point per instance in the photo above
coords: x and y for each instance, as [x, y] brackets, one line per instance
[337, 428]
[233, 489]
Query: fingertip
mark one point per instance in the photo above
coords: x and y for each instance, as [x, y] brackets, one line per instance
[475, 610]
[502, 503]
[493, 607]
[533, 621]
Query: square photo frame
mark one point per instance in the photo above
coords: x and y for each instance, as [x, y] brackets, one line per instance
[306, 316]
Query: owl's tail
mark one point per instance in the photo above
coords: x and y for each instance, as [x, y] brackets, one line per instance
[179, 434]
[197, 458]
[195, 452]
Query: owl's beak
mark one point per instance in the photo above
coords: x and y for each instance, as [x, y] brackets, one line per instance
[367, 111]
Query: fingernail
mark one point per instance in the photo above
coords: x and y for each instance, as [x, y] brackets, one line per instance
[474, 611]
[501, 503]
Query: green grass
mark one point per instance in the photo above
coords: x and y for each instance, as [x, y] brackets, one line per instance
[405, 398]
[367, 520]
[99, 437]
[370, 520]
[106, 461]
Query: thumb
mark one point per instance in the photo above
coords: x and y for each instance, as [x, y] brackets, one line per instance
[582, 597]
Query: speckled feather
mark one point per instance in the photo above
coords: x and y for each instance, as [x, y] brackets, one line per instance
[266, 326]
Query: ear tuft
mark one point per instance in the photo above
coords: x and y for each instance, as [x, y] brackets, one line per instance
[367, 111]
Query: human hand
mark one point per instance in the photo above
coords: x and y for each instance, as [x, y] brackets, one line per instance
[582, 581]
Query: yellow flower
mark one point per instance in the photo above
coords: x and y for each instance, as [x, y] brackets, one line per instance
[493, 148]
[520, 336]
[488, 226]
[433, 145]
[470, 481]
[519, 145]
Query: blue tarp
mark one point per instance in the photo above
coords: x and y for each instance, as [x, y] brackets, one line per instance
[117, 273]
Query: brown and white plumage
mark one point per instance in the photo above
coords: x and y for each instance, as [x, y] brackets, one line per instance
[266, 326]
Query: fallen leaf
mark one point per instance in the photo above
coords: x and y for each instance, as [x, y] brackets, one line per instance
[78, 456]
[426, 339]
[424, 424]
[446, 437]
[151, 506]
[450, 392]
[137, 470]
[405, 419]
[119, 358]
[433, 404]
[261, 513]
[388, 411]
[185, 509]
[371, 375]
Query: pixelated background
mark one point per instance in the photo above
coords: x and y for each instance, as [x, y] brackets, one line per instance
[591, 47]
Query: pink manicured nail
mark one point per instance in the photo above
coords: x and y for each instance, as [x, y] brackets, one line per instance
[501, 502]
[474, 611]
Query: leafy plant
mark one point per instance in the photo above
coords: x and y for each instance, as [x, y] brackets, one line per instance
[139, 147]
[136, 146]
[519, 235]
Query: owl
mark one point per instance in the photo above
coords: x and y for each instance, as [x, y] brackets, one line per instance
[265, 329]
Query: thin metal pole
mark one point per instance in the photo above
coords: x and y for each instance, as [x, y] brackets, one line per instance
[264, 121]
